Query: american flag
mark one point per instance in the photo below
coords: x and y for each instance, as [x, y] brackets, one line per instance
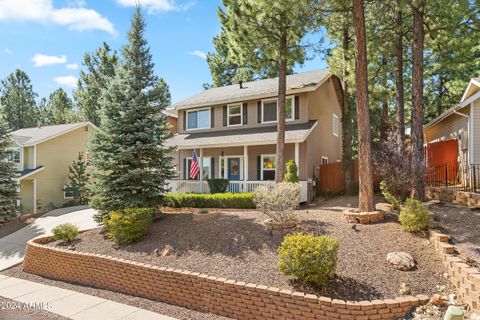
[194, 169]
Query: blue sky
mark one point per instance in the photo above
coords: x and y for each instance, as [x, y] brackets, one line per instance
[48, 39]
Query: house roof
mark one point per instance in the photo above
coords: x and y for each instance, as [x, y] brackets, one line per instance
[472, 88]
[301, 82]
[239, 137]
[33, 136]
[30, 172]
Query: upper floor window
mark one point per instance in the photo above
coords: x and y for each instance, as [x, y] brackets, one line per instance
[198, 119]
[13, 155]
[335, 125]
[234, 114]
[269, 109]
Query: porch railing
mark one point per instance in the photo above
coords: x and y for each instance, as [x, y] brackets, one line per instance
[195, 186]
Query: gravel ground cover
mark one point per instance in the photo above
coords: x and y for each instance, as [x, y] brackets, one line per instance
[154, 306]
[237, 246]
[12, 310]
[462, 224]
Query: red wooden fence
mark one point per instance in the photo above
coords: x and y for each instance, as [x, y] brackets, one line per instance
[332, 177]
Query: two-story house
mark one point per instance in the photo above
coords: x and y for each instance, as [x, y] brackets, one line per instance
[43, 155]
[234, 131]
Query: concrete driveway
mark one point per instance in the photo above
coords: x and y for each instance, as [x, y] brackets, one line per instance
[12, 247]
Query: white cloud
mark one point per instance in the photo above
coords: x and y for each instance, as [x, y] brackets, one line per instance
[199, 54]
[155, 6]
[75, 18]
[72, 66]
[7, 51]
[69, 81]
[41, 60]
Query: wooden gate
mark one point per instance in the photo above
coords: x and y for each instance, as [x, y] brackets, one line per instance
[332, 177]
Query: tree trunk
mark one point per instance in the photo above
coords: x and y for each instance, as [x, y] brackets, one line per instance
[282, 89]
[418, 157]
[346, 116]
[384, 124]
[399, 88]
[365, 197]
[440, 94]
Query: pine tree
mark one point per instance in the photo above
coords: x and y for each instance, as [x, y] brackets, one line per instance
[129, 154]
[99, 70]
[60, 108]
[17, 101]
[265, 32]
[8, 183]
[78, 178]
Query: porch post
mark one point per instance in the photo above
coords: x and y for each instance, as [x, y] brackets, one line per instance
[201, 164]
[297, 157]
[34, 195]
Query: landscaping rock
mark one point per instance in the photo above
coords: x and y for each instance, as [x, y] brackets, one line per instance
[437, 300]
[385, 207]
[401, 260]
[404, 289]
[475, 316]
[167, 251]
[30, 220]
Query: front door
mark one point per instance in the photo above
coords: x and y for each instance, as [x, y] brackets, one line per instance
[233, 169]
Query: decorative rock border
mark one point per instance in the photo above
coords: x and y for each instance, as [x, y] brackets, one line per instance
[274, 225]
[354, 216]
[469, 199]
[201, 292]
[464, 277]
[203, 217]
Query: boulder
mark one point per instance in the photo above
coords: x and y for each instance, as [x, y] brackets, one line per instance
[401, 260]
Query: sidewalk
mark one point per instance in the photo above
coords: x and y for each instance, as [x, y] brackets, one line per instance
[71, 304]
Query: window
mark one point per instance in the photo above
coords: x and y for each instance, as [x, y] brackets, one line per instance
[324, 160]
[198, 119]
[67, 193]
[269, 163]
[269, 110]
[207, 168]
[335, 125]
[13, 155]
[234, 115]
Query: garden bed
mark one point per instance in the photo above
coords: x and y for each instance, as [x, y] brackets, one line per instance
[238, 246]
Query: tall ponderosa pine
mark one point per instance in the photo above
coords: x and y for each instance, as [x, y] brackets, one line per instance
[99, 70]
[78, 179]
[60, 108]
[128, 150]
[17, 101]
[365, 173]
[8, 183]
[270, 32]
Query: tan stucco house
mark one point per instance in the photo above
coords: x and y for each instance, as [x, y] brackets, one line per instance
[461, 122]
[43, 155]
[234, 131]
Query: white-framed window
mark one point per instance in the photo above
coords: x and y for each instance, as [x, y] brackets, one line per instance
[234, 115]
[335, 125]
[268, 166]
[207, 168]
[198, 119]
[66, 193]
[269, 109]
[324, 160]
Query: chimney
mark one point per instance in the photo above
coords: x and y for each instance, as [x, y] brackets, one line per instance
[240, 83]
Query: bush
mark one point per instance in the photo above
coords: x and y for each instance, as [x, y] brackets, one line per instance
[393, 200]
[310, 258]
[217, 185]
[218, 200]
[129, 225]
[291, 175]
[414, 216]
[277, 200]
[65, 232]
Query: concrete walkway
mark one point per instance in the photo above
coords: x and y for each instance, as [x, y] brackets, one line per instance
[12, 247]
[71, 304]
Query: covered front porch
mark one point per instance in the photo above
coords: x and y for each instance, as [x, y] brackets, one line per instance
[245, 167]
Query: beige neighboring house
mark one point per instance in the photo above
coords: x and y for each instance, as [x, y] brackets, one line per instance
[43, 155]
[461, 122]
[234, 131]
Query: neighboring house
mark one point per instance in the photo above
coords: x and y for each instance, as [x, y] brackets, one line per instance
[171, 115]
[461, 122]
[234, 130]
[43, 155]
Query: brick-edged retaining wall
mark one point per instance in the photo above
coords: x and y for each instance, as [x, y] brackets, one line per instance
[459, 197]
[202, 292]
[464, 277]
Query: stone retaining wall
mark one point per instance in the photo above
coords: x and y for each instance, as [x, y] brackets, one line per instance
[459, 197]
[464, 277]
[201, 292]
